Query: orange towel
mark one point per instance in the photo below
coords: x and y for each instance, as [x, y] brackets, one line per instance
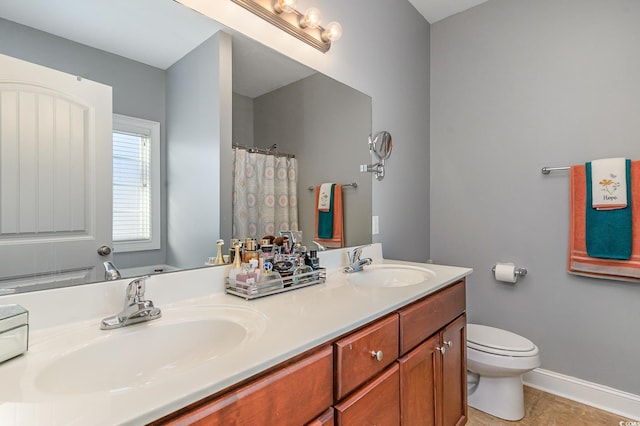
[579, 262]
[338, 222]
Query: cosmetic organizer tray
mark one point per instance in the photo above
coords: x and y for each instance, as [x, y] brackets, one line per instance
[275, 286]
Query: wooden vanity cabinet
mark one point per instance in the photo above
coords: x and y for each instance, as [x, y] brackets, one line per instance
[433, 376]
[407, 368]
[424, 378]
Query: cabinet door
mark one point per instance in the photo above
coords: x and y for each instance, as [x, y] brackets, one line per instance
[454, 373]
[377, 403]
[419, 375]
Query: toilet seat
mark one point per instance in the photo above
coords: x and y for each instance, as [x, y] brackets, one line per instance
[499, 342]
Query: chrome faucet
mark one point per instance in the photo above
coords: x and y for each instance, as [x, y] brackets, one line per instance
[111, 272]
[355, 263]
[136, 308]
[320, 246]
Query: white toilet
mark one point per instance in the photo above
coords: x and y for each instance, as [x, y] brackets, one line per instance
[496, 361]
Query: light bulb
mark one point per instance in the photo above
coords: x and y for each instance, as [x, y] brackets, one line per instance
[333, 31]
[286, 6]
[311, 18]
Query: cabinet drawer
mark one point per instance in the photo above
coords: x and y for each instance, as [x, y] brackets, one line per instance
[423, 318]
[293, 395]
[378, 403]
[365, 353]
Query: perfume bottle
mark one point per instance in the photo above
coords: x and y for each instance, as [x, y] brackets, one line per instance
[219, 259]
[302, 273]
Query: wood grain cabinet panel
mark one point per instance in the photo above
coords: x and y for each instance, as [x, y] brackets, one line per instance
[377, 403]
[423, 318]
[293, 395]
[365, 353]
[420, 373]
[326, 419]
[433, 379]
[454, 373]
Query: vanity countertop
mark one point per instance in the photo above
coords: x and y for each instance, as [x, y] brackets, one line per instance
[38, 388]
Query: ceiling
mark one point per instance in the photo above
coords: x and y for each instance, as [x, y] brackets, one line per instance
[152, 32]
[435, 10]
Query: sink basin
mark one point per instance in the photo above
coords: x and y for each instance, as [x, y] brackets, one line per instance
[390, 275]
[140, 354]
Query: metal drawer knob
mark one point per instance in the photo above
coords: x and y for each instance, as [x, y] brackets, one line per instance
[444, 347]
[377, 355]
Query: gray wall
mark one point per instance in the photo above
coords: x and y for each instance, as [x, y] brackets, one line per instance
[242, 120]
[385, 53]
[138, 90]
[517, 86]
[198, 92]
[321, 121]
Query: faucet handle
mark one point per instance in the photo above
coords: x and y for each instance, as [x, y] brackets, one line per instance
[135, 290]
[354, 255]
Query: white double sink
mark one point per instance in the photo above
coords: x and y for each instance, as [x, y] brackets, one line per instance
[130, 357]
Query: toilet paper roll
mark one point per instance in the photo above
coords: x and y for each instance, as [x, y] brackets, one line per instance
[506, 272]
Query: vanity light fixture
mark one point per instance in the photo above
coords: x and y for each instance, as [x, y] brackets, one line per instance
[305, 26]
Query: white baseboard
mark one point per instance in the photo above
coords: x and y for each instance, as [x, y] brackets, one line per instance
[605, 398]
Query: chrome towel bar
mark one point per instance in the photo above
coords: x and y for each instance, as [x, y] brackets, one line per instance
[354, 184]
[547, 170]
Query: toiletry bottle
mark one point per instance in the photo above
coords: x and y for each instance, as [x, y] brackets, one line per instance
[250, 250]
[219, 258]
[315, 262]
[237, 264]
[232, 249]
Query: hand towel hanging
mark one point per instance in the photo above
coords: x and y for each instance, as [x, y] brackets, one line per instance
[609, 183]
[326, 195]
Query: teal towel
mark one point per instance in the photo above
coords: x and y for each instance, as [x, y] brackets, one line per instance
[325, 220]
[608, 232]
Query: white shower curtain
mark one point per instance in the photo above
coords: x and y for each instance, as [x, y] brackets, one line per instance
[264, 194]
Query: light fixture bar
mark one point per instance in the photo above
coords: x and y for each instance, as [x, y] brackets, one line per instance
[287, 22]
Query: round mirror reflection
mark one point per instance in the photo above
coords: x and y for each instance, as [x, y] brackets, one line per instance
[381, 145]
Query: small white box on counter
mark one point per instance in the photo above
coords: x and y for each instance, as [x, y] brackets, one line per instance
[14, 331]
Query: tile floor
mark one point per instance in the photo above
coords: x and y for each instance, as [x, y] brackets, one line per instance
[545, 409]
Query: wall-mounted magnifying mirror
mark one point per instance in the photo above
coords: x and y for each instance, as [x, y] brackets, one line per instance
[380, 145]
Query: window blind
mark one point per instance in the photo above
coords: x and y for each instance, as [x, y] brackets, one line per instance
[131, 187]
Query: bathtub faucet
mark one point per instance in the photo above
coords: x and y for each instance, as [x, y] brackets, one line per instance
[111, 272]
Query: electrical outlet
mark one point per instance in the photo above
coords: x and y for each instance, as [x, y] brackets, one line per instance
[375, 225]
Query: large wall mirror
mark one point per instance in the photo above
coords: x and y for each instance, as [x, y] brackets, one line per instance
[154, 55]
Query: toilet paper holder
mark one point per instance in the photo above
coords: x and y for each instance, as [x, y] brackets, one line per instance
[520, 272]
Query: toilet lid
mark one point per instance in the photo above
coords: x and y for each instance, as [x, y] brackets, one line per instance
[495, 340]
